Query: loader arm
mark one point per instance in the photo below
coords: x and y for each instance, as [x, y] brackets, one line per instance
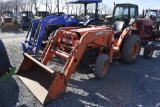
[55, 38]
[124, 34]
[35, 39]
[77, 52]
[79, 49]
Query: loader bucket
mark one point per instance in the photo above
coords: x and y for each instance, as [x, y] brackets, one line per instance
[45, 84]
[8, 28]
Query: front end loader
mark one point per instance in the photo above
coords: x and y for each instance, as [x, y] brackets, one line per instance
[48, 83]
[39, 31]
[6, 69]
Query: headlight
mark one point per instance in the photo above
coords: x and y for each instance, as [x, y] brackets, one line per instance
[67, 40]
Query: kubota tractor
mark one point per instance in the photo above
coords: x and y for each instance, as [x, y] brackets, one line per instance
[75, 44]
[6, 69]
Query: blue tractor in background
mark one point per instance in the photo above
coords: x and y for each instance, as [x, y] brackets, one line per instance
[25, 19]
[93, 21]
[40, 29]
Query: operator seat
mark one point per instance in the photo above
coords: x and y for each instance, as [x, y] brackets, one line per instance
[118, 28]
[25, 18]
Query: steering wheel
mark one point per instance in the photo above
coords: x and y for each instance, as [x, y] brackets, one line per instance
[153, 17]
[118, 18]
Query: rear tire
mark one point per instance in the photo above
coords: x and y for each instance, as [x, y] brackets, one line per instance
[148, 50]
[130, 48]
[4, 60]
[101, 66]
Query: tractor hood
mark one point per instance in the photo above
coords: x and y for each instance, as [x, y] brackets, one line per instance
[83, 1]
[62, 20]
[45, 18]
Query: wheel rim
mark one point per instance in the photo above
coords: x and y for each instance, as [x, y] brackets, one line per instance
[105, 66]
[135, 50]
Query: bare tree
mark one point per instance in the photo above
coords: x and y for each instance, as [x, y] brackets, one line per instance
[80, 9]
[62, 3]
[50, 5]
[67, 8]
[23, 6]
[91, 8]
[1, 4]
[7, 5]
[29, 3]
[17, 5]
[103, 9]
[76, 9]
[54, 6]
[36, 4]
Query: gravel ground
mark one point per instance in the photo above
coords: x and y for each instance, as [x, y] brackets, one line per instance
[125, 85]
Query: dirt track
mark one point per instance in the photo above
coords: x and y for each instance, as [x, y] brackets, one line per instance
[135, 85]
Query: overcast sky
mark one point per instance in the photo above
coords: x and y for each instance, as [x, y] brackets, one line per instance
[143, 4]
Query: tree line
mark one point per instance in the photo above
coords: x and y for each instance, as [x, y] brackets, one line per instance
[50, 5]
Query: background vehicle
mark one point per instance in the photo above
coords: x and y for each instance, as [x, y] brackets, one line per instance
[153, 14]
[146, 27]
[9, 21]
[25, 20]
[42, 14]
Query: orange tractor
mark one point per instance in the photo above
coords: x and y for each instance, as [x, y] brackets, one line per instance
[146, 27]
[75, 44]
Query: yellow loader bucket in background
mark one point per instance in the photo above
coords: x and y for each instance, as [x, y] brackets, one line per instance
[8, 28]
[45, 84]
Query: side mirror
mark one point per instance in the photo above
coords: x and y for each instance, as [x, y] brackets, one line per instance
[114, 4]
[132, 21]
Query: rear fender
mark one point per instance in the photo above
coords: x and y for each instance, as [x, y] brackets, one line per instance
[124, 34]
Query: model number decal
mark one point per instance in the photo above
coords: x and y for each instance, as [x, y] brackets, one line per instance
[99, 33]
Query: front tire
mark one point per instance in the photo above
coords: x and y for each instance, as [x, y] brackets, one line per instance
[4, 60]
[130, 48]
[101, 66]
